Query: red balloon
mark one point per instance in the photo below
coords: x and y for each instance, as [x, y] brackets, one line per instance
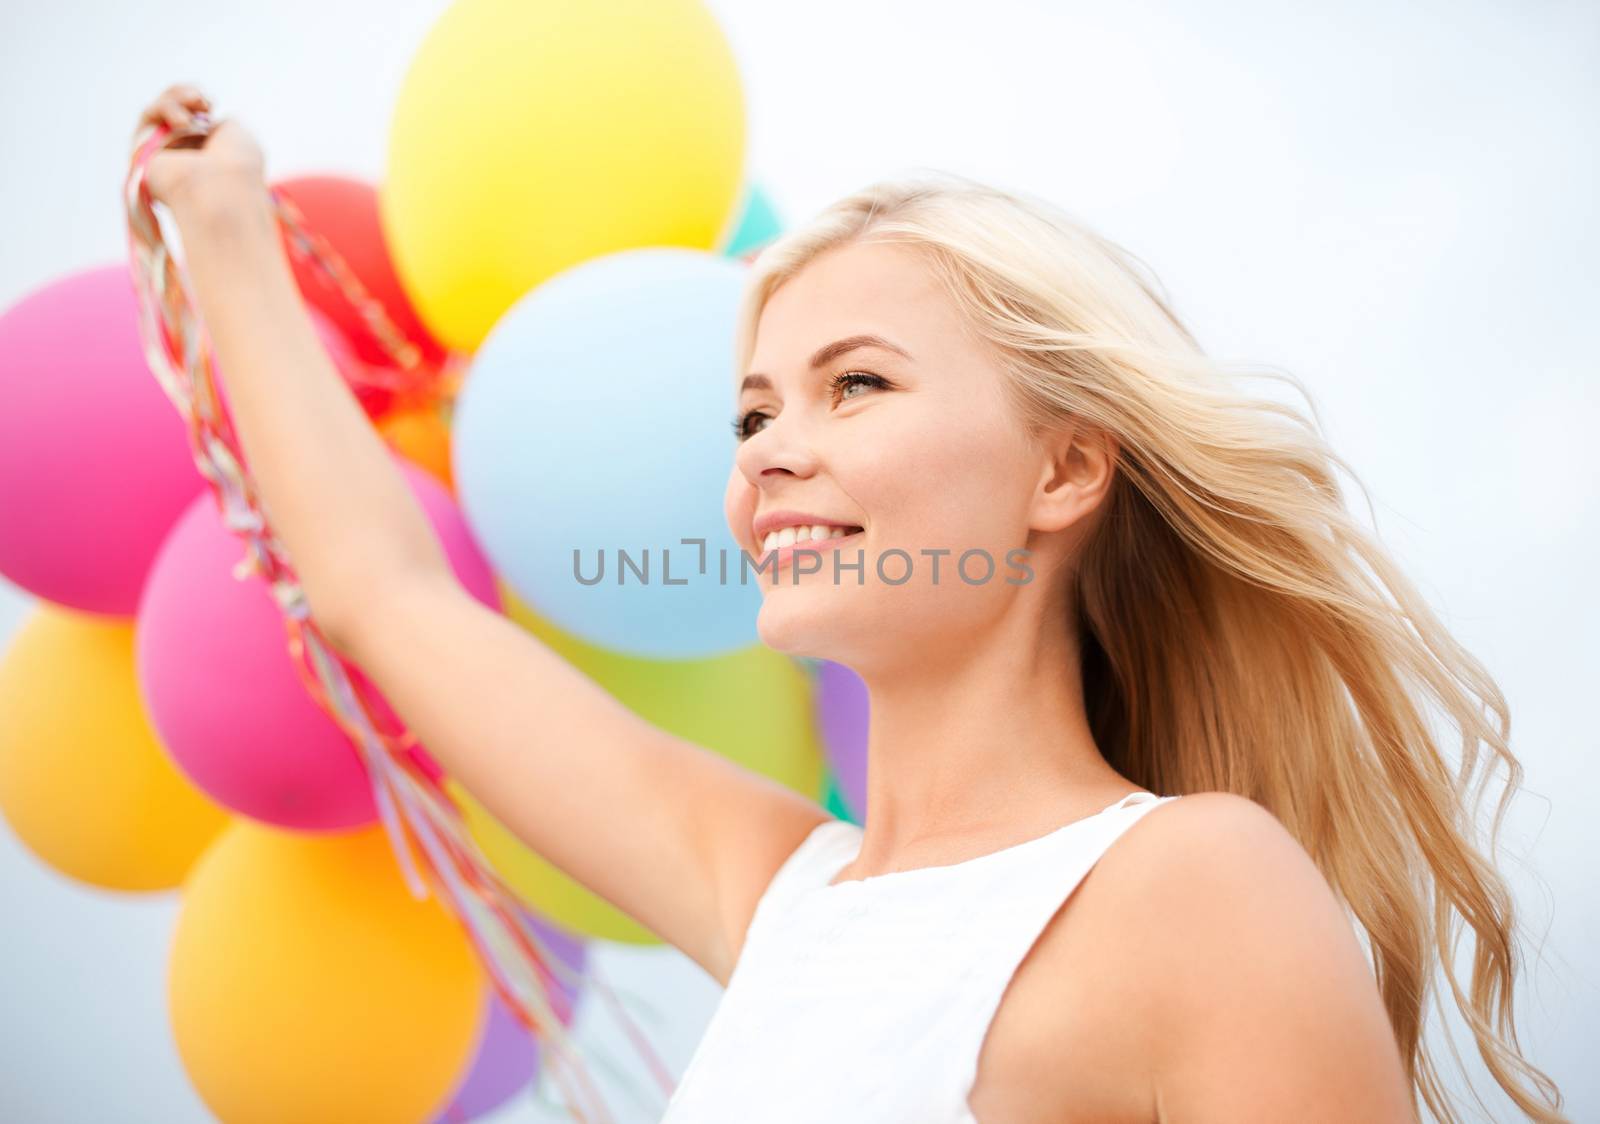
[345, 212]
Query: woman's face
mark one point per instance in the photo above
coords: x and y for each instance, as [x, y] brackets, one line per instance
[910, 439]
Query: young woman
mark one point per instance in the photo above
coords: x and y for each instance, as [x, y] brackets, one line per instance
[1147, 787]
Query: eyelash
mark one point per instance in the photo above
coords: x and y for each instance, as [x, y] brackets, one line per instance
[836, 385]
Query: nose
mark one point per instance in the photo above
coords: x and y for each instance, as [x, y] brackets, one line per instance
[777, 450]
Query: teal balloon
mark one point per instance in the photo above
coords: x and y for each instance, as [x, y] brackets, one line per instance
[758, 224]
[833, 798]
[594, 419]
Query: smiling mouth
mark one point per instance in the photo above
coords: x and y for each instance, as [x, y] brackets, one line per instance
[782, 555]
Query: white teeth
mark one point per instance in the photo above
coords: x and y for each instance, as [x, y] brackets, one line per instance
[788, 536]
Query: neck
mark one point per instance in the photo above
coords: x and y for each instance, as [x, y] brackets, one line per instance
[977, 749]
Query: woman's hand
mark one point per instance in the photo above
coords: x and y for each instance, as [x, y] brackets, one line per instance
[210, 168]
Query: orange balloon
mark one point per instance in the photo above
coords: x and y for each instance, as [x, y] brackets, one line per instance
[84, 781]
[422, 436]
[306, 983]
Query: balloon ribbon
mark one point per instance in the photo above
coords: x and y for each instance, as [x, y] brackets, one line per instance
[414, 807]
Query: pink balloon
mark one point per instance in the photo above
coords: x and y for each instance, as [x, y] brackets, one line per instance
[221, 689]
[94, 461]
[342, 353]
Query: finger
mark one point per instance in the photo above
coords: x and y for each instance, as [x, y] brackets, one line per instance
[175, 106]
[188, 96]
[175, 111]
[178, 115]
[163, 111]
[152, 114]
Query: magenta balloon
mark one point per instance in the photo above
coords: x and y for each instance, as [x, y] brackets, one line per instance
[94, 461]
[507, 1058]
[222, 692]
[841, 709]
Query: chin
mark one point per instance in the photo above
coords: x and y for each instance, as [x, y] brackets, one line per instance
[808, 623]
[795, 626]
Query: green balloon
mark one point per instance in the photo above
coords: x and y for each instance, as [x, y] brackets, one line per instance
[753, 706]
[833, 799]
[758, 224]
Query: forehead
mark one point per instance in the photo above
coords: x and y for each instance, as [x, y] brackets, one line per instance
[857, 289]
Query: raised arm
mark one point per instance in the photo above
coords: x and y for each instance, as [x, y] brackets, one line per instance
[676, 836]
[324, 473]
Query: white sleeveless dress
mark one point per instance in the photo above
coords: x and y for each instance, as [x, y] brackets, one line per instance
[868, 1002]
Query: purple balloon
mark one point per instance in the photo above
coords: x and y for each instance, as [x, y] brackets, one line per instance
[508, 1055]
[94, 460]
[841, 709]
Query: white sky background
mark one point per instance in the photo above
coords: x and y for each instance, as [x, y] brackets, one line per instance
[1394, 202]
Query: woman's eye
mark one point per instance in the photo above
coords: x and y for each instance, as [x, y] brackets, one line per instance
[845, 380]
[742, 422]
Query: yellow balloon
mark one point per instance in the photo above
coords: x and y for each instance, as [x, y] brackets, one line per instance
[715, 702]
[532, 135]
[84, 781]
[306, 983]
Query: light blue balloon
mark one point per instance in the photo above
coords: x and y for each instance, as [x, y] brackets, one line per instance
[758, 224]
[595, 417]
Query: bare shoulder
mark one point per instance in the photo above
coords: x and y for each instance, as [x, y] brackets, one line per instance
[1263, 1000]
[1219, 835]
[1219, 880]
[1209, 859]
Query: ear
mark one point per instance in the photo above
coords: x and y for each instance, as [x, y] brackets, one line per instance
[1078, 463]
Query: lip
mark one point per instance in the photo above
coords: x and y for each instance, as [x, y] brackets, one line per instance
[784, 554]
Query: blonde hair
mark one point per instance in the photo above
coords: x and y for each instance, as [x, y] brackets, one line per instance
[1241, 631]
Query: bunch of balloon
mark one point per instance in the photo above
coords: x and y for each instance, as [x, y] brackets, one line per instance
[151, 724]
[535, 303]
[149, 710]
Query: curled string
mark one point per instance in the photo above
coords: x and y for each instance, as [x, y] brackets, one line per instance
[423, 822]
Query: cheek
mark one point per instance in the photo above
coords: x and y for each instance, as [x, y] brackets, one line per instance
[739, 507]
[938, 486]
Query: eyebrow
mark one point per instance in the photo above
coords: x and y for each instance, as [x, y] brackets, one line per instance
[826, 354]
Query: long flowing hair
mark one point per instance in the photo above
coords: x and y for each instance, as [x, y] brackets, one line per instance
[1241, 630]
